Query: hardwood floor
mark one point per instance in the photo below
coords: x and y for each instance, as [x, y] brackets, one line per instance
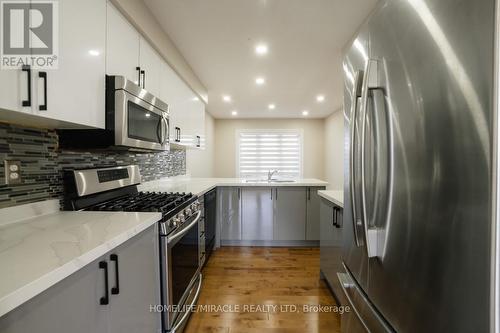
[262, 276]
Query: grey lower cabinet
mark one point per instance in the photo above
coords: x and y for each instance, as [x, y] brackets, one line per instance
[74, 304]
[290, 213]
[229, 208]
[257, 214]
[253, 215]
[331, 231]
[136, 285]
[313, 213]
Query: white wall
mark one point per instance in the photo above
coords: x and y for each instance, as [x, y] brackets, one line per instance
[200, 163]
[225, 141]
[334, 150]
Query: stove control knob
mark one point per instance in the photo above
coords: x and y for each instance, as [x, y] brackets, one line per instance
[181, 218]
[188, 212]
[175, 221]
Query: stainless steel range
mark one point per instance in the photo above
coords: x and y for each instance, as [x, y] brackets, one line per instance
[115, 189]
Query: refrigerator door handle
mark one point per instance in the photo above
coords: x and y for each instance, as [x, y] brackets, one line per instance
[370, 81]
[356, 93]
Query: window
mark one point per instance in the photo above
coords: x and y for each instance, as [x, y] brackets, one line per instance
[259, 151]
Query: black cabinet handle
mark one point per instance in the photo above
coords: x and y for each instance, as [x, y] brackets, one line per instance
[143, 72]
[309, 193]
[334, 223]
[105, 299]
[116, 289]
[27, 69]
[198, 141]
[177, 134]
[43, 75]
[138, 69]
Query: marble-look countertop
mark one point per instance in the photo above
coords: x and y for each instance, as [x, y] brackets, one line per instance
[337, 197]
[200, 186]
[37, 252]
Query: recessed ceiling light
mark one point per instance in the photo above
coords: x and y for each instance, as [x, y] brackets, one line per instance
[305, 113]
[94, 53]
[261, 49]
[260, 81]
[271, 106]
[234, 113]
[226, 98]
[196, 99]
[320, 98]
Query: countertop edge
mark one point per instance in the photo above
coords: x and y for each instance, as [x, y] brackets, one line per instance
[23, 294]
[328, 196]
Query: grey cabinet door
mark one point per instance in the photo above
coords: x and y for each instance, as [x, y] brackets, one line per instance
[257, 213]
[71, 305]
[312, 222]
[331, 245]
[229, 206]
[290, 213]
[139, 283]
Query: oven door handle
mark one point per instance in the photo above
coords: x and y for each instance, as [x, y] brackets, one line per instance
[186, 314]
[181, 233]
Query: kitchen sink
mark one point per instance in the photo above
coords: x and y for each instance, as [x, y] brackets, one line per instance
[270, 181]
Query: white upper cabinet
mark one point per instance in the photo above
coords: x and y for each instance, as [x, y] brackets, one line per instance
[122, 46]
[16, 86]
[187, 112]
[71, 95]
[150, 64]
[75, 91]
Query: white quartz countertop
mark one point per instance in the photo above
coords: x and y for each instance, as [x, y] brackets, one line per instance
[200, 186]
[337, 197]
[38, 252]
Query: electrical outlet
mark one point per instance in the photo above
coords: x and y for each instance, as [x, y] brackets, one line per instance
[12, 172]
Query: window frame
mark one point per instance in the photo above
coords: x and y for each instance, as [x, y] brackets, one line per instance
[298, 131]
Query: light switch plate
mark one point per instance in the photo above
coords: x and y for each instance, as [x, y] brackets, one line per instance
[12, 172]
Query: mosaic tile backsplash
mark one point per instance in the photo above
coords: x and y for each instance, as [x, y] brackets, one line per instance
[42, 163]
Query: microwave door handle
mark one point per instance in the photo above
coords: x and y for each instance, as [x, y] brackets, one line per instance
[166, 130]
[159, 135]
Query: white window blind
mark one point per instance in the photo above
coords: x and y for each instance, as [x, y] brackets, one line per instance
[262, 150]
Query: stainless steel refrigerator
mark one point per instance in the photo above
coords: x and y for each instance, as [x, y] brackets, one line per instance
[420, 213]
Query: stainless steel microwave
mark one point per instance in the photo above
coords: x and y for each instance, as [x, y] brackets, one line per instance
[137, 118]
[134, 119]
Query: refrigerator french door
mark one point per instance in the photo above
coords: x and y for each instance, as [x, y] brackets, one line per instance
[419, 112]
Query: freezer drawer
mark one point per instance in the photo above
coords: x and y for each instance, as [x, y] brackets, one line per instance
[362, 314]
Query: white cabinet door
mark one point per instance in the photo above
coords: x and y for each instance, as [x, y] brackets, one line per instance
[122, 46]
[15, 84]
[150, 63]
[75, 90]
[171, 93]
[198, 123]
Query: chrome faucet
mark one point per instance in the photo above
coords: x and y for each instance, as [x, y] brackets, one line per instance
[270, 174]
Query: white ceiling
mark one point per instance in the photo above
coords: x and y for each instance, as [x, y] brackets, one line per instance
[305, 39]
